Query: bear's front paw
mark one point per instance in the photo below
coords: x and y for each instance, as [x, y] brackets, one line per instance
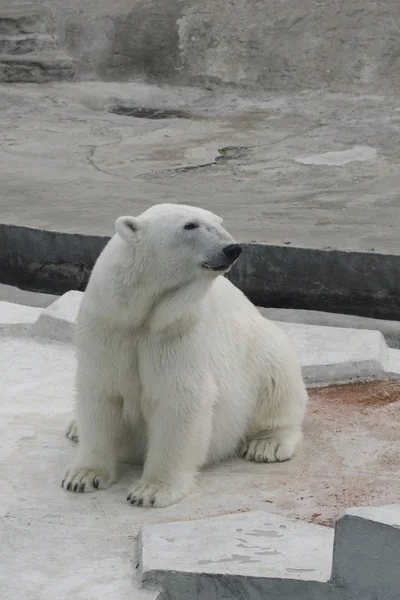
[72, 432]
[154, 495]
[86, 479]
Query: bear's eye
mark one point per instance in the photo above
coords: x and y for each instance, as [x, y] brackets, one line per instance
[191, 226]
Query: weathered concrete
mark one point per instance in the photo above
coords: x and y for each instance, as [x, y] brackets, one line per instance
[389, 329]
[367, 552]
[119, 163]
[242, 549]
[273, 45]
[29, 49]
[57, 321]
[328, 355]
[258, 555]
[255, 544]
[16, 319]
[58, 545]
[333, 355]
[322, 252]
[393, 364]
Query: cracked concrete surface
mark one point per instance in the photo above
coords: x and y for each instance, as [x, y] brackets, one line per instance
[68, 164]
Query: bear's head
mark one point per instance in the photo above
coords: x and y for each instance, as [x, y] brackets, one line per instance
[177, 244]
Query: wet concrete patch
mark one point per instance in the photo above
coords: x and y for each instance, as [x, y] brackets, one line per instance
[142, 112]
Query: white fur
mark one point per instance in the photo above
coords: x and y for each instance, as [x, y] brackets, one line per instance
[174, 357]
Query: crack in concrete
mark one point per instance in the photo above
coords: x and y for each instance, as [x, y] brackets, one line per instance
[89, 158]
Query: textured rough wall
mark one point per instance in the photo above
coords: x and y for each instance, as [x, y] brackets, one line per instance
[274, 44]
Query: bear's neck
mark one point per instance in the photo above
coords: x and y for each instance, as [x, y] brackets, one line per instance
[179, 309]
[137, 307]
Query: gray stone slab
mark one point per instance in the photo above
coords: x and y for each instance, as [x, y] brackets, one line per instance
[254, 544]
[366, 554]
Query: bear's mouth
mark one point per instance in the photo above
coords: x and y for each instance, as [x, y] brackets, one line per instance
[217, 268]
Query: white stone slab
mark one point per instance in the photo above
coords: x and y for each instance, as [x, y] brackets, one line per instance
[57, 321]
[257, 544]
[392, 367]
[16, 319]
[333, 354]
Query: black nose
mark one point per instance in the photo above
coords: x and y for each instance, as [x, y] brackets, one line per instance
[233, 251]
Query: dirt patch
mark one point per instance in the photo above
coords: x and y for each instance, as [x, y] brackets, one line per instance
[351, 454]
[365, 394]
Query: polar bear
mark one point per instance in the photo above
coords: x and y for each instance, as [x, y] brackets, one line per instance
[172, 356]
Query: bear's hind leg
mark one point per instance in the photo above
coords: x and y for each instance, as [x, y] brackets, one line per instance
[272, 445]
[275, 431]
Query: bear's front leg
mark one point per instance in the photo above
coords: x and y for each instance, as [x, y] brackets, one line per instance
[178, 414]
[98, 421]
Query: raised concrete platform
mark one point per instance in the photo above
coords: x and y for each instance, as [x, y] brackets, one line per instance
[16, 319]
[389, 329]
[307, 222]
[57, 321]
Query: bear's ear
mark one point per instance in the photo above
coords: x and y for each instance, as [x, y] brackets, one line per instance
[127, 228]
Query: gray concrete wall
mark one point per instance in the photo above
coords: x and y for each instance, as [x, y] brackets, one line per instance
[270, 44]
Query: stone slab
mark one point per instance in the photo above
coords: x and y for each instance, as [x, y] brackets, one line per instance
[257, 544]
[366, 554]
[16, 319]
[393, 363]
[332, 354]
[57, 321]
[324, 256]
[253, 555]
[389, 329]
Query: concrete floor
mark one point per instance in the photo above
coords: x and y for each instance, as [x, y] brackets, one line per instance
[314, 169]
[62, 545]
